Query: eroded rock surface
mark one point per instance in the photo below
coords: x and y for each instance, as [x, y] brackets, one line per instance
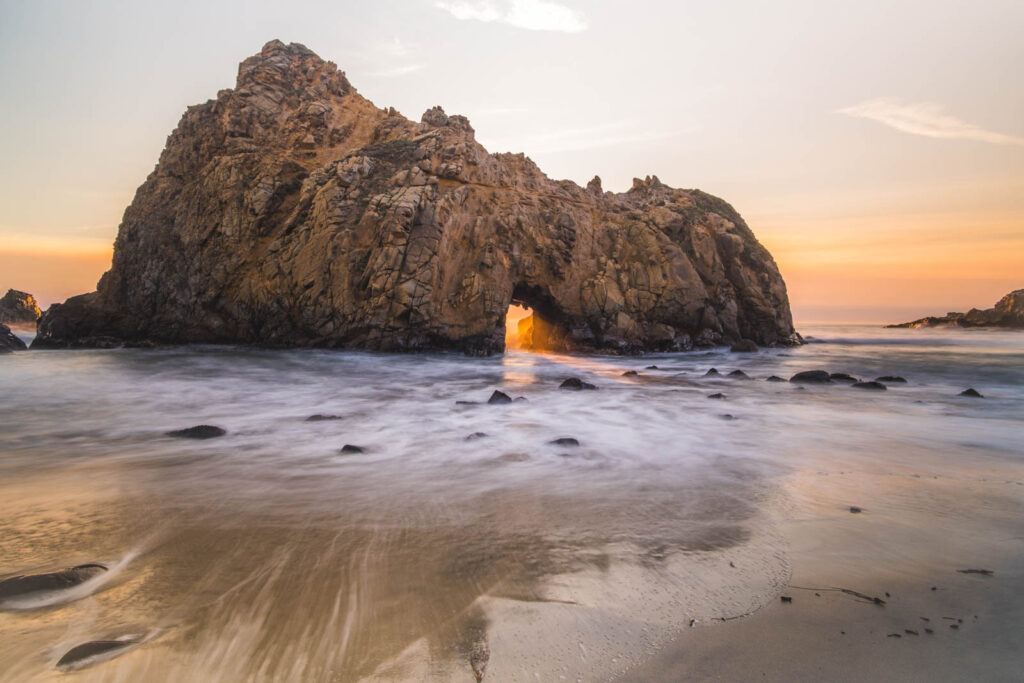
[10, 341]
[1008, 312]
[292, 211]
[18, 308]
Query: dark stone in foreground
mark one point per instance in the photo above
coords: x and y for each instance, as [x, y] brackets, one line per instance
[322, 418]
[499, 397]
[713, 372]
[349, 448]
[842, 377]
[718, 396]
[197, 432]
[78, 654]
[873, 386]
[971, 393]
[811, 377]
[775, 378]
[565, 441]
[52, 581]
[739, 374]
[744, 346]
[576, 384]
[9, 341]
[891, 379]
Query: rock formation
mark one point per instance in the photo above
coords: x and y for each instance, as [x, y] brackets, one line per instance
[9, 341]
[19, 308]
[292, 211]
[1008, 312]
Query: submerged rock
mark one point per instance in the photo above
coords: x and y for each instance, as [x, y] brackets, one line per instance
[891, 379]
[290, 211]
[971, 393]
[63, 579]
[477, 435]
[349, 448]
[874, 386]
[197, 432]
[576, 384]
[565, 441]
[811, 377]
[322, 418]
[9, 341]
[717, 396]
[842, 377]
[81, 655]
[739, 374]
[630, 373]
[744, 346]
[775, 378]
[19, 308]
[499, 397]
[713, 372]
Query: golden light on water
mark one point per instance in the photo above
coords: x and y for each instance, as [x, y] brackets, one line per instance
[513, 317]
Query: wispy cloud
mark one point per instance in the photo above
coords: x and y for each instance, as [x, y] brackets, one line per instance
[396, 71]
[534, 15]
[575, 139]
[392, 58]
[927, 119]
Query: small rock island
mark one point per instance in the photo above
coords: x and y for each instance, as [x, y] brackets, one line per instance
[19, 308]
[1008, 312]
[291, 211]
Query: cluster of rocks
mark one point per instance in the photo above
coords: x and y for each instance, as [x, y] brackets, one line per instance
[290, 211]
[1008, 312]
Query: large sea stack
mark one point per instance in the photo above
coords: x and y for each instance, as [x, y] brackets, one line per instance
[18, 308]
[291, 211]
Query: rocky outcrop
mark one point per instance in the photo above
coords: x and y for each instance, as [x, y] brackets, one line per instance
[292, 211]
[19, 308]
[9, 341]
[1008, 312]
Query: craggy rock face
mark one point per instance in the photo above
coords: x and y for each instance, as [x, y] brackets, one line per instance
[292, 211]
[17, 308]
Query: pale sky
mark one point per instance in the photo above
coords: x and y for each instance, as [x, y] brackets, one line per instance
[876, 148]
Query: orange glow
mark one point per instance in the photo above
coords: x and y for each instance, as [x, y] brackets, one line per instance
[515, 315]
[52, 275]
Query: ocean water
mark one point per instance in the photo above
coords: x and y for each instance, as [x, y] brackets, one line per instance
[268, 554]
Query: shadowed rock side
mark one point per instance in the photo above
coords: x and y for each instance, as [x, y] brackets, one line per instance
[9, 341]
[1008, 312]
[291, 211]
[18, 308]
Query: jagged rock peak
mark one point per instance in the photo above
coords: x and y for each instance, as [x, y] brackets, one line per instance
[291, 211]
[17, 308]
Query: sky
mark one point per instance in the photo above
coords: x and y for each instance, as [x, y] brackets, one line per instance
[876, 148]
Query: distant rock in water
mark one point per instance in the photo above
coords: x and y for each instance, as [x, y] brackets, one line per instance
[19, 308]
[891, 379]
[499, 397]
[10, 341]
[775, 378]
[842, 377]
[575, 384]
[291, 211]
[322, 418]
[566, 441]
[1008, 312]
[971, 393]
[198, 432]
[351, 449]
[872, 386]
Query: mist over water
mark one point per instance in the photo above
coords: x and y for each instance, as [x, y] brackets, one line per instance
[267, 554]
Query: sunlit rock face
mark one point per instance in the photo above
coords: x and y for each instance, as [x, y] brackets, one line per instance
[18, 308]
[1008, 312]
[291, 211]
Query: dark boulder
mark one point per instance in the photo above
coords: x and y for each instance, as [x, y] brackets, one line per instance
[739, 374]
[891, 379]
[10, 341]
[499, 397]
[79, 656]
[717, 396]
[197, 432]
[565, 441]
[322, 418]
[630, 373]
[477, 435]
[775, 378]
[350, 449]
[52, 581]
[744, 346]
[575, 384]
[873, 386]
[713, 372]
[811, 377]
[971, 393]
[842, 377]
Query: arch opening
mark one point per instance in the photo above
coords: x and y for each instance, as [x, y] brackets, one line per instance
[531, 322]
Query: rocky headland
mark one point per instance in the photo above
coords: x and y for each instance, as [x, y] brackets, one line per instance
[19, 308]
[1008, 312]
[291, 211]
